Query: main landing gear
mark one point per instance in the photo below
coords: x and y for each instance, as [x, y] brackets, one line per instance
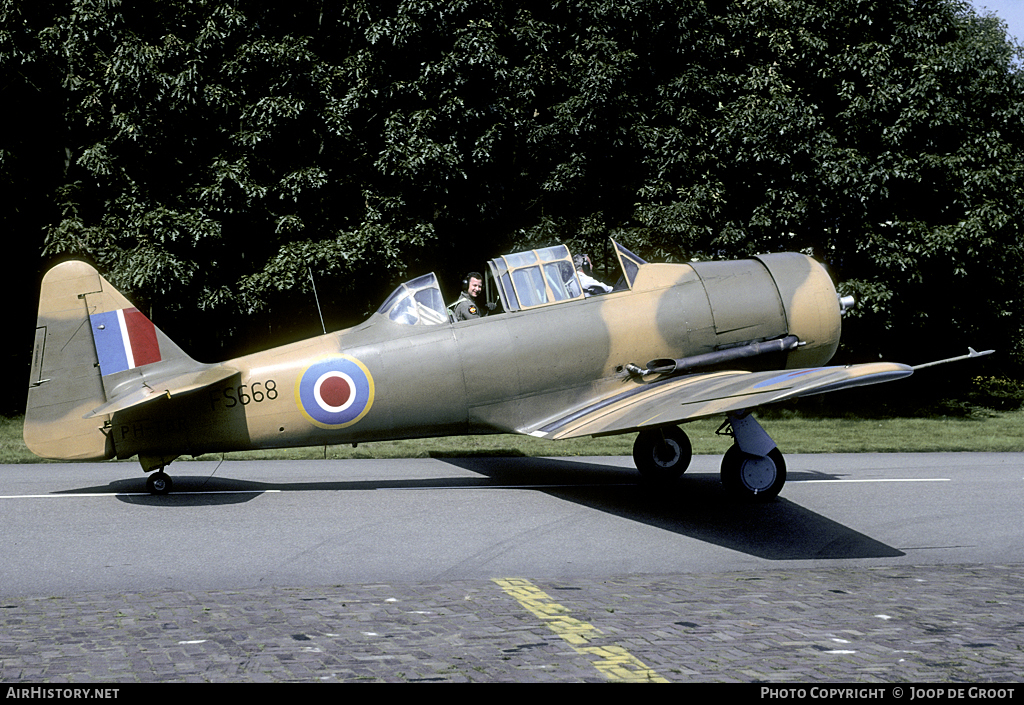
[753, 477]
[662, 454]
[753, 469]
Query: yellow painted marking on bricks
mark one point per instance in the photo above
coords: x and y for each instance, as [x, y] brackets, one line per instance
[613, 661]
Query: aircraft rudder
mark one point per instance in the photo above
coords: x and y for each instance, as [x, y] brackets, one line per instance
[89, 341]
[65, 382]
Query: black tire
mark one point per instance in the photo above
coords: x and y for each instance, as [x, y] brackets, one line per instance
[159, 483]
[662, 455]
[753, 477]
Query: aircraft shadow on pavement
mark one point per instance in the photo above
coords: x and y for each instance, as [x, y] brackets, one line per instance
[695, 506]
[189, 491]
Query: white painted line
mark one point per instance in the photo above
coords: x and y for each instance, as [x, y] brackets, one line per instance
[555, 486]
[881, 479]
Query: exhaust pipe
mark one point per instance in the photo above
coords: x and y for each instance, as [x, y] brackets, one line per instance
[669, 366]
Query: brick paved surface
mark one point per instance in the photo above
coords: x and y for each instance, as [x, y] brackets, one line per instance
[869, 625]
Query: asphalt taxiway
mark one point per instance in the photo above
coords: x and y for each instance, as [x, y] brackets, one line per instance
[880, 567]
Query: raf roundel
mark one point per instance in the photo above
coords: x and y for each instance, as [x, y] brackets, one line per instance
[335, 391]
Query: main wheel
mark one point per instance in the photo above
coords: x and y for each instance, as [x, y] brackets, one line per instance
[662, 455]
[159, 483]
[753, 477]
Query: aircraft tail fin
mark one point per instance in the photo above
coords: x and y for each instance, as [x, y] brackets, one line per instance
[91, 346]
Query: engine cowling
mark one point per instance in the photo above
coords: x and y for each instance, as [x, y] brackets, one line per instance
[772, 296]
[811, 305]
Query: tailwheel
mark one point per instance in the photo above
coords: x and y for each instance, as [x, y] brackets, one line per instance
[663, 454]
[159, 483]
[753, 477]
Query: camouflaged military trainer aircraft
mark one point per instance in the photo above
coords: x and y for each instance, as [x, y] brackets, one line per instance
[669, 343]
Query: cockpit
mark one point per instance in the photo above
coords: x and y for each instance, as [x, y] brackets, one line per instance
[416, 303]
[516, 282]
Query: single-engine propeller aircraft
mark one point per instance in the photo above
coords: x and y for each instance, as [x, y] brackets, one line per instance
[669, 343]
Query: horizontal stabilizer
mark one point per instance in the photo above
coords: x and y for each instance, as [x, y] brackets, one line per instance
[149, 390]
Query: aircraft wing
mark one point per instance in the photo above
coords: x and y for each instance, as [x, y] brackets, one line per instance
[149, 390]
[677, 399]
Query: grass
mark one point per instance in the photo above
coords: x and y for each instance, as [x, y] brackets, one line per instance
[980, 431]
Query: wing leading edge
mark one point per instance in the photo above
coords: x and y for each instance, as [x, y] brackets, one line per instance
[677, 399]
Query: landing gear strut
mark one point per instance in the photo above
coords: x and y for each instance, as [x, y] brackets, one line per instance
[662, 454]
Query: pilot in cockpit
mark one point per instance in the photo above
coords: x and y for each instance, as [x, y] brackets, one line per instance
[467, 306]
[584, 269]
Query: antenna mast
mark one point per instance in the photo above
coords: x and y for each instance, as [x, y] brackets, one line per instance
[315, 296]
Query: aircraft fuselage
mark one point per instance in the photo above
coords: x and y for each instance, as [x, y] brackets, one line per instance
[383, 380]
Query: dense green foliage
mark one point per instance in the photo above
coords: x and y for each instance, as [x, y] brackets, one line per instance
[209, 154]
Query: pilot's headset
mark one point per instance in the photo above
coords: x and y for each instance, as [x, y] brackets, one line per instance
[470, 275]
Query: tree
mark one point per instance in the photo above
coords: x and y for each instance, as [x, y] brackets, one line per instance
[223, 151]
[211, 155]
[883, 137]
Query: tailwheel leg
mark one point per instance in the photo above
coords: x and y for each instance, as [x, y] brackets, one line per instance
[662, 454]
[159, 483]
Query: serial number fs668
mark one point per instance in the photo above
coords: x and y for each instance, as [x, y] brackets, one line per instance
[244, 394]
